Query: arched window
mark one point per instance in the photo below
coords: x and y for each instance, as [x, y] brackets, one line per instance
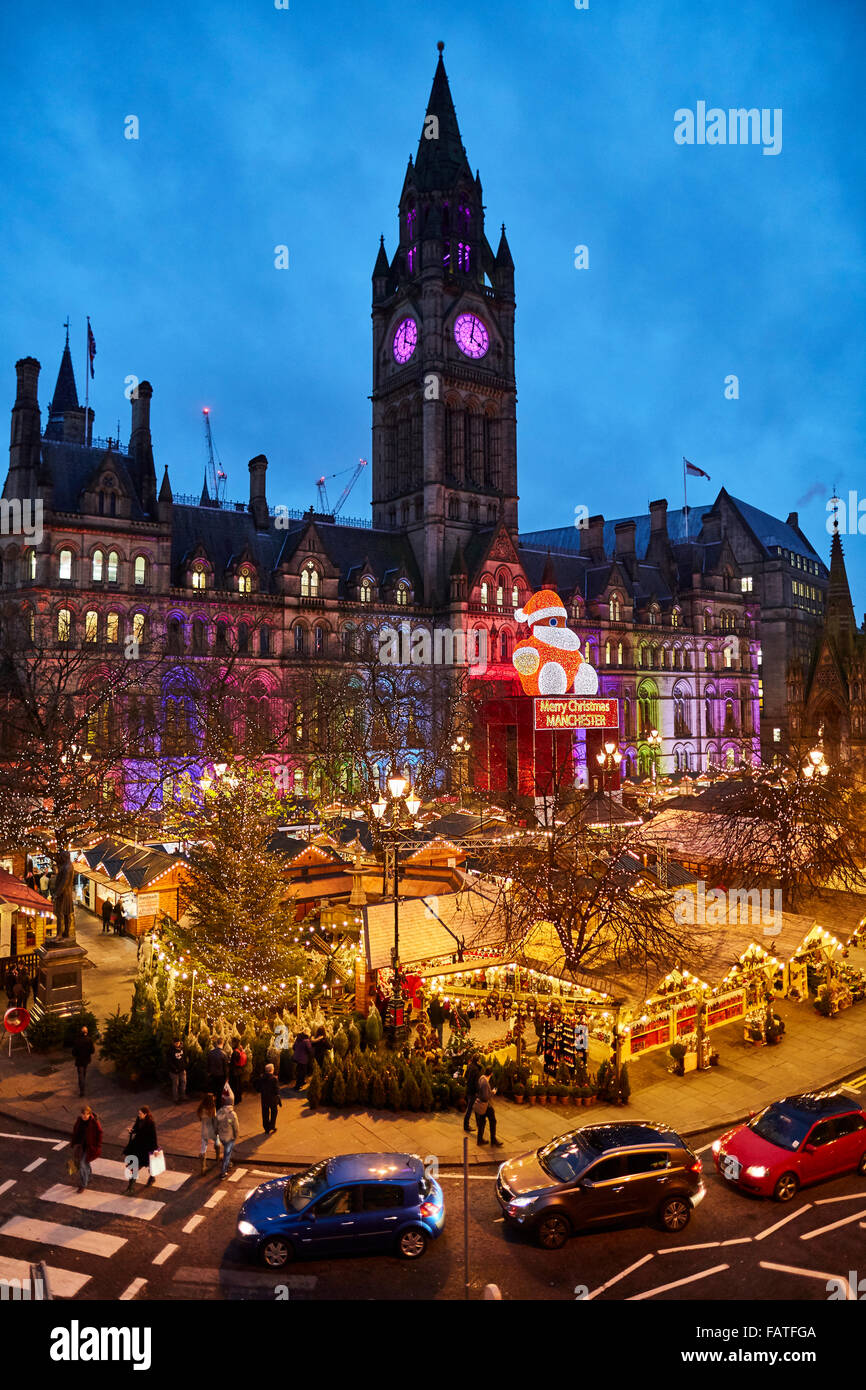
[112, 624]
[175, 635]
[309, 581]
[64, 624]
[366, 593]
[31, 564]
[245, 582]
[607, 653]
[402, 594]
[112, 567]
[619, 653]
[65, 565]
[500, 595]
[675, 617]
[653, 615]
[350, 640]
[615, 608]
[222, 637]
[96, 567]
[199, 576]
[91, 625]
[199, 635]
[140, 570]
[485, 594]
[505, 646]
[300, 640]
[515, 596]
[264, 641]
[138, 627]
[244, 639]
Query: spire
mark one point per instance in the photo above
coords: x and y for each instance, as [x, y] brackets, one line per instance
[165, 494]
[441, 157]
[205, 495]
[503, 254]
[65, 396]
[839, 620]
[382, 267]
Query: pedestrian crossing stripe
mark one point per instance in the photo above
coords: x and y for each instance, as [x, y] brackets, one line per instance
[106, 1202]
[112, 1168]
[68, 1237]
[63, 1283]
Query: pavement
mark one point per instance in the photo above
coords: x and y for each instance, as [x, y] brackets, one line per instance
[41, 1089]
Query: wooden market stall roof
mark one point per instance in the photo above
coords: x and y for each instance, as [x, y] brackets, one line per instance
[15, 893]
[141, 866]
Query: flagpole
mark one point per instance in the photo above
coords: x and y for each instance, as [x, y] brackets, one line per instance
[685, 499]
[87, 381]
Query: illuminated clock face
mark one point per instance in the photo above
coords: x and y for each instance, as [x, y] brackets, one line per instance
[471, 336]
[405, 340]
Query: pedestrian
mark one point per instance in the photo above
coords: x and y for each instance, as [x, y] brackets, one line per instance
[319, 1044]
[30, 876]
[141, 1144]
[43, 883]
[107, 910]
[217, 1064]
[207, 1116]
[228, 1129]
[302, 1054]
[176, 1064]
[19, 994]
[436, 1014]
[118, 919]
[86, 1144]
[237, 1062]
[473, 1072]
[270, 1090]
[82, 1051]
[484, 1109]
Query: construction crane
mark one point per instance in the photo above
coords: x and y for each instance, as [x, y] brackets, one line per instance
[215, 474]
[324, 504]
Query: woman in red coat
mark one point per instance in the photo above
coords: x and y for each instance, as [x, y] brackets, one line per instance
[86, 1143]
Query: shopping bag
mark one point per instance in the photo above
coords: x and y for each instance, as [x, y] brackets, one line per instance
[157, 1163]
[71, 1166]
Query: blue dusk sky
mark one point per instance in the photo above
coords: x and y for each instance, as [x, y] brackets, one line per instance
[261, 127]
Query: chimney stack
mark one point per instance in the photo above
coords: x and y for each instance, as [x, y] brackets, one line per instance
[625, 533]
[25, 434]
[141, 446]
[592, 538]
[258, 496]
[793, 520]
[659, 516]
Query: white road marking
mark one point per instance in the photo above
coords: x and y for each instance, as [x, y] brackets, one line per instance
[216, 1198]
[616, 1278]
[34, 1139]
[31, 1167]
[69, 1237]
[809, 1274]
[677, 1284]
[192, 1223]
[165, 1254]
[62, 1281]
[113, 1168]
[768, 1231]
[4, 1187]
[61, 1145]
[105, 1202]
[242, 1172]
[834, 1226]
[676, 1249]
[703, 1148]
[134, 1288]
[244, 1279]
[846, 1197]
[740, 1240]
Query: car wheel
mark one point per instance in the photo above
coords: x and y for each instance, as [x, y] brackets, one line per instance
[675, 1213]
[787, 1187]
[553, 1231]
[412, 1243]
[276, 1252]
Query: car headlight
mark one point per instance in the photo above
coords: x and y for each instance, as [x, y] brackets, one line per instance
[520, 1203]
[717, 1146]
[246, 1228]
[757, 1170]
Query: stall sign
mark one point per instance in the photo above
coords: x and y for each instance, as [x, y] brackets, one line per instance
[574, 712]
[148, 904]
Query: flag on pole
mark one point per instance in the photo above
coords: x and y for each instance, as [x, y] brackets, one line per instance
[91, 347]
[693, 470]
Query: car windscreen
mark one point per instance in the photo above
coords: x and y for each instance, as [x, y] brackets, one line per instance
[304, 1187]
[565, 1159]
[781, 1126]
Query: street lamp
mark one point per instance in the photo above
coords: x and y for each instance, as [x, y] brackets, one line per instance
[817, 766]
[609, 761]
[461, 750]
[654, 743]
[392, 815]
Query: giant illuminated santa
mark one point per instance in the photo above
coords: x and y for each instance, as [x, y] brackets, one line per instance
[550, 661]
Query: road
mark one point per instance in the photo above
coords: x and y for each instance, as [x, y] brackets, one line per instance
[176, 1241]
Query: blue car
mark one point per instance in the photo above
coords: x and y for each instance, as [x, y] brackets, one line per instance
[353, 1203]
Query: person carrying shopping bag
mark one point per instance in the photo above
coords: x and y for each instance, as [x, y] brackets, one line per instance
[142, 1147]
[207, 1117]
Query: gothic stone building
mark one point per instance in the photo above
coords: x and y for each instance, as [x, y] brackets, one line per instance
[675, 625]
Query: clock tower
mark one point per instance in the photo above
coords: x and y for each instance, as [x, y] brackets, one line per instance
[444, 391]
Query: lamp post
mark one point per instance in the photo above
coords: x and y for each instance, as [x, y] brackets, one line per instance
[654, 743]
[391, 814]
[609, 761]
[817, 765]
[460, 748]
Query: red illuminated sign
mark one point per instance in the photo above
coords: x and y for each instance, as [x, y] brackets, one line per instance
[575, 712]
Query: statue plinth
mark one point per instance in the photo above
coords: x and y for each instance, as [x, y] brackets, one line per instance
[60, 964]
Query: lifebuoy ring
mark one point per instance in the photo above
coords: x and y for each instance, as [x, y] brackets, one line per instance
[16, 1020]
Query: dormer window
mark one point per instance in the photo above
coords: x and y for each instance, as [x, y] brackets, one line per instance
[402, 594]
[245, 582]
[653, 616]
[199, 576]
[615, 608]
[675, 617]
[366, 593]
[96, 567]
[309, 581]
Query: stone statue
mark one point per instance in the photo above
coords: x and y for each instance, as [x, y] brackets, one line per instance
[63, 898]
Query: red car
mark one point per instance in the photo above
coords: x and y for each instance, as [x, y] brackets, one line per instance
[794, 1142]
